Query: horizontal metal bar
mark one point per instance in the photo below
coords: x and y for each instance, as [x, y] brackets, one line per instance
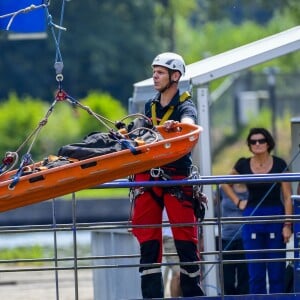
[206, 180]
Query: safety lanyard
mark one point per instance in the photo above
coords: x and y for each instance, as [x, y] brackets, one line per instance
[186, 95]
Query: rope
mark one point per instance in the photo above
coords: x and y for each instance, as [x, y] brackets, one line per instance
[12, 157]
[61, 95]
[8, 162]
[37, 130]
[90, 111]
[26, 160]
[136, 115]
[21, 11]
[58, 64]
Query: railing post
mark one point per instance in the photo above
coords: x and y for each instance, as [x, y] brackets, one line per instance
[203, 151]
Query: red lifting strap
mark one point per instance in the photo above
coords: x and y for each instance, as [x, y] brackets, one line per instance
[61, 95]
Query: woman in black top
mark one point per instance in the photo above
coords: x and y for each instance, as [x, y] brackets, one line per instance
[265, 199]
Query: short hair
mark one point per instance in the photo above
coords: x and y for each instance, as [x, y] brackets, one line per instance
[267, 135]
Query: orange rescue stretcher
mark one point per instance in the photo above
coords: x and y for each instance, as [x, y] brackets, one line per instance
[79, 175]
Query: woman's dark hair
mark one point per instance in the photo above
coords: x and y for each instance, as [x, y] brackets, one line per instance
[265, 133]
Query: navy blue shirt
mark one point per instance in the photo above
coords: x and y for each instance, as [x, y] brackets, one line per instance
[229, 209]
[181, 109]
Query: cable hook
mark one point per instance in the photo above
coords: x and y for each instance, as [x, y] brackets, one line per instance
[58, 66]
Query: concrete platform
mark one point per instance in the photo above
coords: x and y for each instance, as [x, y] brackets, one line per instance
[37, 285]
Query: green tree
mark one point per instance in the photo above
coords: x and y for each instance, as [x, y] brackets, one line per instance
[259, 11]
[114, 42]
[217, 37]
[107, 46]
[104, 105]
[19, 119]
[292, 6]
[167, 13]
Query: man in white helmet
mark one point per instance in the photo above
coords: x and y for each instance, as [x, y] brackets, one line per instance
[168, 107]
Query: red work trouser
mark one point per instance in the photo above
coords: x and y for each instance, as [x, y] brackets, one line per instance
[147, 210]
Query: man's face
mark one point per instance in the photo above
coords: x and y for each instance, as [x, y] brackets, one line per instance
[160, 77]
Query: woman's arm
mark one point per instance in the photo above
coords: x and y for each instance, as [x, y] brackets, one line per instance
[228, 190]
[288, 210]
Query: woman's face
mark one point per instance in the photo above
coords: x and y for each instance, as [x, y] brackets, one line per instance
[258, 143]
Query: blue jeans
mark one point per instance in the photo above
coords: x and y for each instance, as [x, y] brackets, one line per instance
[264, 236]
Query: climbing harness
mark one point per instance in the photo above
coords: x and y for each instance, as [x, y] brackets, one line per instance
[198, 199]
[183, 97]
[200, 202]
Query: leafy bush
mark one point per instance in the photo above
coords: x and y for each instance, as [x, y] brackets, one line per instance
[104, 105]
[19, 118]
[225, 160]
[32, 252]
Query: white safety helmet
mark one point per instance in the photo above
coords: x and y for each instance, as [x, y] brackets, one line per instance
[171, 61]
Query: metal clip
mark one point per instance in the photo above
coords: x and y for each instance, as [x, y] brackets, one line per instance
[58, 66]
[194, 172]
[155, 173]
[134, 192]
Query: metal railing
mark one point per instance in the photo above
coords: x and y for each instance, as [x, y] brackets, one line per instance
[76, 262]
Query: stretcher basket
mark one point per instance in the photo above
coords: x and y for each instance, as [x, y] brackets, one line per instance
[79, 175]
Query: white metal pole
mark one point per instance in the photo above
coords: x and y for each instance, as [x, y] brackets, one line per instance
[202, 155]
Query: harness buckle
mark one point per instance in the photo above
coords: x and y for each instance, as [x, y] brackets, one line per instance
[156, 172]
[159, 173]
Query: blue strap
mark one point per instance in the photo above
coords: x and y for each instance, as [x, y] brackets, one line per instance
[125, 144]
[26, 160]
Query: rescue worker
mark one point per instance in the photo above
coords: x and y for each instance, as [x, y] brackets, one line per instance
[167, 108]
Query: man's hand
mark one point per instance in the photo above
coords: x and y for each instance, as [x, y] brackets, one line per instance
[170, 125]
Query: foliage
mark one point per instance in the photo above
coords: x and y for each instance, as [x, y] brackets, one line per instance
[31, 252]
[215, 38]
[259, 11]
[293, 9]
[225, 160]
[286, 63]
[104, 105]
[103, 194]
[167, 14]
[19, 118]
[109, 44]
[106, 47]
